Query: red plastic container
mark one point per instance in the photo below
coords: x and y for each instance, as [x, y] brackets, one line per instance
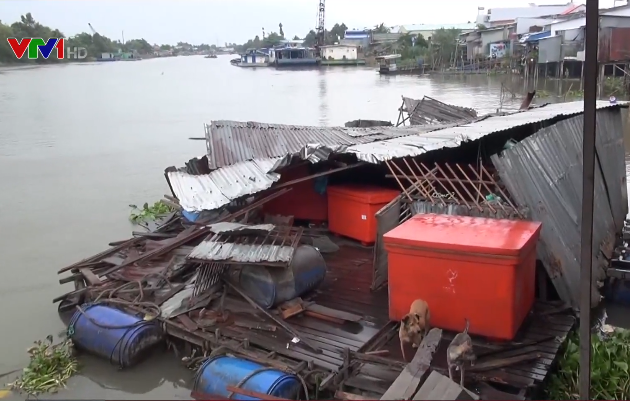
[302, 202]
[351, 210]
[470, 268]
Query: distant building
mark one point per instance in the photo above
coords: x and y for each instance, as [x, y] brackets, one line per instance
[292, 43]
[359, 38]
[340, 52]
[427, 30]
[505, 16]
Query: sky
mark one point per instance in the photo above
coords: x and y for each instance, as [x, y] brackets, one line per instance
[236, 21]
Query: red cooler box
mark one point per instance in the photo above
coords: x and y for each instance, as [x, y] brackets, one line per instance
[351, 210]
[470, 268]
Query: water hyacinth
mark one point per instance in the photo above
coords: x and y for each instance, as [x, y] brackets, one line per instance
[610, 355]
[50, 367]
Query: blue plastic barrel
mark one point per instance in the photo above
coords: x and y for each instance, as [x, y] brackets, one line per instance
[271, 286]
[217, 373]
[110, 333]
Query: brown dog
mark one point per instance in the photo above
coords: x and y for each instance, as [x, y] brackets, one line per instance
[414, 325]
[460, 351]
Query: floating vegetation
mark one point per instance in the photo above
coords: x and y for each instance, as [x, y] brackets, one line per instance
[574, 94]
[148, 213]
[610, 353]
[542, 93]
[50, 367]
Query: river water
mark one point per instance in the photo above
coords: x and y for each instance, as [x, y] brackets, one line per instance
[79, 143]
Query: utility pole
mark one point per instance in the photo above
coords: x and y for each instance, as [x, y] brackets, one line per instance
[588, 187]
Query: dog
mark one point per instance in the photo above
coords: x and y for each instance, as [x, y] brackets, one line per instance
[414, 325]
[460, 351]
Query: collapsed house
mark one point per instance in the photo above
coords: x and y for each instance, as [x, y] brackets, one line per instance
[252, 269]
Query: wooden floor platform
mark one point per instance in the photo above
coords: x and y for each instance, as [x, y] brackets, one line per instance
[516, 369]
[346, 288]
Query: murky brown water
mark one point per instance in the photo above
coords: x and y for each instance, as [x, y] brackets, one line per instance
[79, 143]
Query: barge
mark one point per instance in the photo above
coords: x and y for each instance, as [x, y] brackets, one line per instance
[309, 301]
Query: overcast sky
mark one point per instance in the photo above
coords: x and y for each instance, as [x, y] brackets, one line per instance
[220, 21]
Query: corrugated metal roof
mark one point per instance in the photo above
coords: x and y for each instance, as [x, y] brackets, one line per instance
[435, 27]
[415, 145]
[220, 187]
[510, 13]
[241, 253]
[431, 111]
[544, 172]
[230, 142]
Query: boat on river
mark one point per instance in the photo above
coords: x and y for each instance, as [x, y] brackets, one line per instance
[387, 64]
[254, 58]
[293, 56]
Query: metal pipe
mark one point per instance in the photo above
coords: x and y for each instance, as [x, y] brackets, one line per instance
[588, 186]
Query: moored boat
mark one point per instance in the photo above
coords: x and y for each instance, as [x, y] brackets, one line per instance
[387, 64]
[253, 58]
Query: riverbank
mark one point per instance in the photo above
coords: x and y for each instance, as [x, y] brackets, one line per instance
[116, 161]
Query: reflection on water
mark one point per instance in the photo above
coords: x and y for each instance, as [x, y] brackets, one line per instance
[79, 143]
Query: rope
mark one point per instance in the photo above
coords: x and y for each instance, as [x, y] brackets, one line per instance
[156, 308]
[247, 377]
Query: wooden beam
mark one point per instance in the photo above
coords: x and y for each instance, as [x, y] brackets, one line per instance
[406, 385]
[253, 394]
[342, 395]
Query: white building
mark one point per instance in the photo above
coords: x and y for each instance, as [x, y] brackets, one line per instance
[504, 16]
[340, 52]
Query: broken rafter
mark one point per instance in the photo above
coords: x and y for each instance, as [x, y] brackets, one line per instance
[462, 184]
[191, 234]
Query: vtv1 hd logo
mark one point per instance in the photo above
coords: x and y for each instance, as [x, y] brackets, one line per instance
[34, 47]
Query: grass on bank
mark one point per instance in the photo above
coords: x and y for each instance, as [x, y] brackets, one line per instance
[610, 380]
[49, 369]
[148, 213]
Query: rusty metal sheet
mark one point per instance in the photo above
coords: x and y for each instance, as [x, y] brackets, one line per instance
[544, 173]
[432, 111]
[614, 44]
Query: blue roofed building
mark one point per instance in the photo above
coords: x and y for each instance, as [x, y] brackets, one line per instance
[360, 38]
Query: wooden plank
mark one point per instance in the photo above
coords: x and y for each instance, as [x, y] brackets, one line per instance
[407, 383]
[490, 393]
[342, 395]
[90, 276]
[363, 383]
[502, 362]
[253, 394]
[334, 313]
[325, 318]
[440, 387]
[187, 322]
[204, 396]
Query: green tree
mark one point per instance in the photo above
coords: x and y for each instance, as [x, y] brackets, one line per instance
[6, 53]
[381, 28]
[138, 45]
[281, 31]
[337, 33]
[310, 38]
[444, 42]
